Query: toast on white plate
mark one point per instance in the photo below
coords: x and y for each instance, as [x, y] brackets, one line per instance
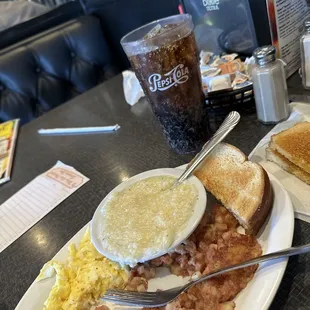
[242, 186]
[294, 145]
[286, 165]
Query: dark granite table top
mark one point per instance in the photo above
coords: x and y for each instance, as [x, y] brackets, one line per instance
[107, 159]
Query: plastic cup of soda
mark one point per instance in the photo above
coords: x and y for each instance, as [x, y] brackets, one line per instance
[164, 56]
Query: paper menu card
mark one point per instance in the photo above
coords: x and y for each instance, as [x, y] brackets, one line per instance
[35, 200]
[286, 22]
[8, 134]
[299, 191]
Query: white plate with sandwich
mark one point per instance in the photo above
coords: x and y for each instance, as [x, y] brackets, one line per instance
[244, 188]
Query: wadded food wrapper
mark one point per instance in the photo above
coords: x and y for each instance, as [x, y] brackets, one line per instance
[229, 57]
[219, 83]
[209, 71]
[232, 66]
[132, 88]
[297, 189]
[241, 80]
[205, 57]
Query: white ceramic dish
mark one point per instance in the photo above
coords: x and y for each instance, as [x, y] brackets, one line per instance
[276, 234]
[199, 210]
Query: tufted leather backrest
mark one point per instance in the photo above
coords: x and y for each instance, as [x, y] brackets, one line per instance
[46, 70]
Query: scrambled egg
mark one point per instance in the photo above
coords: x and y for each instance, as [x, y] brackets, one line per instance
[83, 279]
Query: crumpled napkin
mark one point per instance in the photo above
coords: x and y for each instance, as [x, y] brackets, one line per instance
[132, 88]
[297, 189]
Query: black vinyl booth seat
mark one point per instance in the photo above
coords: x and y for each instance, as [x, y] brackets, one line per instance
[48, 69]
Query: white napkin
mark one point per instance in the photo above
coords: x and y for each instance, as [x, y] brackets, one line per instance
[132, 88]
[298, 190]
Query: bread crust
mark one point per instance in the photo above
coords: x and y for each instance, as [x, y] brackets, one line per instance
[262, 212]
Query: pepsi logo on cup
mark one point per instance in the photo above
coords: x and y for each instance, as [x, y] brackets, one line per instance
[177, 75]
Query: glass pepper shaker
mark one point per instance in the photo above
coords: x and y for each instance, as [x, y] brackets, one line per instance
[305, 56]
[270, 89]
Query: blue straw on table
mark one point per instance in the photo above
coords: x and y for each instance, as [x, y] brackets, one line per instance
[75, 130]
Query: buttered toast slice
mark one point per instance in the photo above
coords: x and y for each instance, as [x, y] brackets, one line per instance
[288, 166]
[294, 145]
[242, 186]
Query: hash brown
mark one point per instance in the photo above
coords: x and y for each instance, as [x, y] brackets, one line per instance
[216, 243]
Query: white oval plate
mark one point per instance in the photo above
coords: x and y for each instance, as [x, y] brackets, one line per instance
[199, 210]
[276, 234]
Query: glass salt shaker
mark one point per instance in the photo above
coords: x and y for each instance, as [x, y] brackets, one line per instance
[270, 89]
[305, 56]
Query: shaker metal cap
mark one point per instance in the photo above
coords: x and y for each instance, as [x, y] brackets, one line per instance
[264, 54]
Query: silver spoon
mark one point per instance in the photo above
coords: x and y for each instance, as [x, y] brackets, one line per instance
[227, 126]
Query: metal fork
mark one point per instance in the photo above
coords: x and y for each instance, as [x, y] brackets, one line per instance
[159, 299]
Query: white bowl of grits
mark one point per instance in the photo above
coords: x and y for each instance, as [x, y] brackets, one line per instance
[144, 218]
